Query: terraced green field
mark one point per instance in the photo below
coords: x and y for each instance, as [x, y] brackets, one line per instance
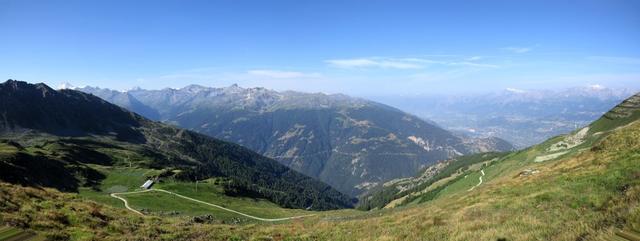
[120, 180]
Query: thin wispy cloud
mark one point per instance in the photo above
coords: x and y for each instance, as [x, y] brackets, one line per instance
[387, 63]
[278, 74]
[517, 50]
[404, 63]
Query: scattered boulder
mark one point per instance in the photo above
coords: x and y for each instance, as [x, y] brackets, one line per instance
[203, 219]
[528, 172]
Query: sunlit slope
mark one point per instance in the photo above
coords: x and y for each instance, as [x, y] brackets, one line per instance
[588, 194]
[431, 180]
[464, 172]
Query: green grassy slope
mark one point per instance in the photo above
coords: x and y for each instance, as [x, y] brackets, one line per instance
[450, 169]
[458, 177]
[588, 195]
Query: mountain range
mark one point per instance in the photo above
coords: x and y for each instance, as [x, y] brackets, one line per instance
[350, 143]
[58, 138]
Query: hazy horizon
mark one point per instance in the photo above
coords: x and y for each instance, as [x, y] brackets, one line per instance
[594, 87]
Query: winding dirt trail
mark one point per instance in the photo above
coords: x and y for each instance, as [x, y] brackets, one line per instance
[126, 205]
[471, 189]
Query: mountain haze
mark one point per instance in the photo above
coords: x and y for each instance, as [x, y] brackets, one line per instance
[522, 117]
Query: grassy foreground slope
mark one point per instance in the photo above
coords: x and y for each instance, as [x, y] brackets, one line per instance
[584, 196]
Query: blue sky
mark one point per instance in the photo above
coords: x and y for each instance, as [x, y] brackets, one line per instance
[354, 47]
